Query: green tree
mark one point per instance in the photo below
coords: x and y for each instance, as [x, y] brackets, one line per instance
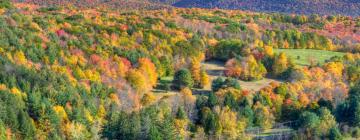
[212, 100]
[309, 120]
[27, 126]
[217, 84]
[325, 103]
[282, 90]
[183, 79]
[248, 113]
[167, 128]
[220, 83]
[210, 121]
[231, 82]
[2, 130]
[5, 4]
[230, 101]
[227, 49]
[349, 110]
[335, 134]
[327, 121]
[181, 114]
[122, 126]
[154, 133]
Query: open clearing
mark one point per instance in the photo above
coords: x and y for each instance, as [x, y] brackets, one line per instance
[304, 56]
[216, 69]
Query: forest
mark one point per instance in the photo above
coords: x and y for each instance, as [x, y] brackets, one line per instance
[308, 7]
[176, 73]
[323, 7]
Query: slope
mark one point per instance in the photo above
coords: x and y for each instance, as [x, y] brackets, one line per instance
[322, 7]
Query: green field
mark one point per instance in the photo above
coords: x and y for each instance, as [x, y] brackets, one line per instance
[303, 56]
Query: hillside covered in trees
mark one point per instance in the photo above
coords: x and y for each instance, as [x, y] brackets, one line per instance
[308, 7]
[113, 4]
[104, 73]
[322, 7]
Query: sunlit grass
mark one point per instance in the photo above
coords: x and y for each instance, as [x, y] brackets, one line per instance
[304, 56]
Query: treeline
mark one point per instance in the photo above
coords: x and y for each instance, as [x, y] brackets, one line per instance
[290, 6]
[229, 26]
[113, 4]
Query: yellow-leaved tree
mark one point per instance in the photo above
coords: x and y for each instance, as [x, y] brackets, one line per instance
[204, 79]
[148, 99]
[228, 121]
[19, 58]
[281, 64]
[138, 81]
[195, 69]
[335, 68]
[149, 70]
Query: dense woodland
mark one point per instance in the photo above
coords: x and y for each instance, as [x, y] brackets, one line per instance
[308, 7]
[323, 7]
[112, 4]
[69, 73]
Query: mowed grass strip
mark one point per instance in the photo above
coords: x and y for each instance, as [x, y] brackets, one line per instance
[303, 57]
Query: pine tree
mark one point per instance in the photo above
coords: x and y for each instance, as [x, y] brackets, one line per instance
[335, 134]
[230, 101]
[183, 79]
[2, 130]
[167, 128]
[181, 113]
[27, 126]
[217, 84]
[154, 133]
[212, 100]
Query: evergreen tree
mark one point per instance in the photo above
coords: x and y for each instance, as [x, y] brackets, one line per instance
[217, 84]
[220, 83]
[309, 120]
[27, 126]
[231, 82]
[230, 101]
[183, 79]
[154, 133]
[2, 130]
[335, 134]
[212, 100]
[181, 114]
[349, 110]
[167, 128]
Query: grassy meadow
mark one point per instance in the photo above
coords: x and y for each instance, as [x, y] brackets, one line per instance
[303, 57]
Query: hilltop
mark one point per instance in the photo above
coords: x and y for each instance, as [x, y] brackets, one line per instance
[322, 7]
[115, 4]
